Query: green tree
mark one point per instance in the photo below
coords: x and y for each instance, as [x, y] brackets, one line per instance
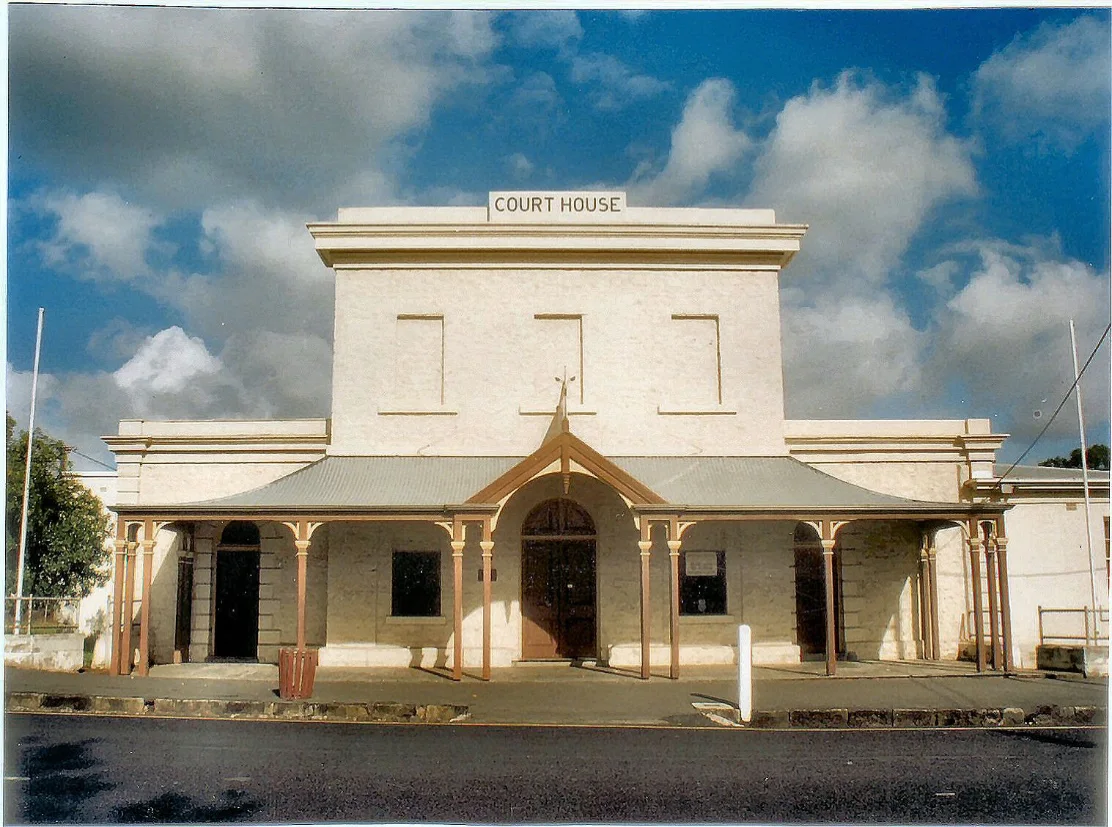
[1096, 457]
[66, 524]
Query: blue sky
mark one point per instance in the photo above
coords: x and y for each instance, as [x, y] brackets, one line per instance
[953, 167]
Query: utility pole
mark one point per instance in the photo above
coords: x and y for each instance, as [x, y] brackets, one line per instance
[27, 481]
[1085, 486]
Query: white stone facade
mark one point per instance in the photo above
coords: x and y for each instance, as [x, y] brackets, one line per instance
[452, 326]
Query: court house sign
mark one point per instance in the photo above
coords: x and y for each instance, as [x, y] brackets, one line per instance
[555, 206]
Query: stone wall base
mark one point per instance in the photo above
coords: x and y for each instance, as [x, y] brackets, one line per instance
[1090, 661]
[55, 653]
[427, 657]
[773, 653]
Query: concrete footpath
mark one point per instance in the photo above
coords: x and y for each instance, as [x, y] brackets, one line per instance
[868, 694]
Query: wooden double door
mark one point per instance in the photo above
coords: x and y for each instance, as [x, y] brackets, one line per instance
[558, 599]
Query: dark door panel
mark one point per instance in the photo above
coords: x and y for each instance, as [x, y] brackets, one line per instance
[539, 605]
[558, 599]
[236, 630]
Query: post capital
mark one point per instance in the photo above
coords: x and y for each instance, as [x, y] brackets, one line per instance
[302, 546]
[828, 546]
[674, 546]
[457, 548]
[488, 547]
[121, 547]
[644, 545]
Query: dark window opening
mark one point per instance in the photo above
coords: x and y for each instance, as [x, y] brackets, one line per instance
[415, 589]
[703, 583]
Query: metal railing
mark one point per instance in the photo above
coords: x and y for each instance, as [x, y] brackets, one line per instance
[1093, 626]
[968, 629]
[42, 615]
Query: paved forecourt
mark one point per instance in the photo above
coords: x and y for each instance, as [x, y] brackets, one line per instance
[866, 694]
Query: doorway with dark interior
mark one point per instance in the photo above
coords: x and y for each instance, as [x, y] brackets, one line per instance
[810, 597]
[236, 609]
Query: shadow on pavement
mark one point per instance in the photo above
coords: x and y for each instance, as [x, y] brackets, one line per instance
[61, 778]
[176, 808]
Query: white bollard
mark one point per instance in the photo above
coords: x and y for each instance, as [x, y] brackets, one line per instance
[744, 673]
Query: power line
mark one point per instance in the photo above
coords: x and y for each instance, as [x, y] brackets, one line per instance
[73, 450]
[1061, 405]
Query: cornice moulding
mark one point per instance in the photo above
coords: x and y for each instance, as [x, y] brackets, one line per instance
[346, 244]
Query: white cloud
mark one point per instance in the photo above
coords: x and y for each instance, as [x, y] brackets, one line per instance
[537, 94]
[612, 84]
[555, 29]
[78, 419]
[98, 234]
[1053, 83]
[282, 374]
[939, 277]
[257, 374]
[1005, 338]
[520, 166]
[269, 277]
[168, 362]
[616, 85]
[869, 344]
[704, 143]
[17, 393]
[308, 108]
[116, 339]
[863, 165]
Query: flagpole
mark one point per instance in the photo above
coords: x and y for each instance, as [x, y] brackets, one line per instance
[27, 480]
[1085, 486]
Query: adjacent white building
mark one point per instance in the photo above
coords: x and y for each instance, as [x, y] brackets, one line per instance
[557, 432]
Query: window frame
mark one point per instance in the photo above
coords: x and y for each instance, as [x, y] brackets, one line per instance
[719, 582]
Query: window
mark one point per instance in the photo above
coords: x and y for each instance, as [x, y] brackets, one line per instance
[703, 583]
[415, 585]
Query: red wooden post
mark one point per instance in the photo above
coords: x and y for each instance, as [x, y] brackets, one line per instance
[302, 546]
[457, 597]
[487, 546]
[1005, 596]
[932, 562]
[993, 601]
[118, 597]
[645, 545]
[674, 543]
[128, 608]
[145, 606]
[975, 571]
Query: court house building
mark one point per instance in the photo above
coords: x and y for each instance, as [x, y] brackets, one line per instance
[556, 432]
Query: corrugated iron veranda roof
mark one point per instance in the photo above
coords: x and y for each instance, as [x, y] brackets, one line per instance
[414, 483]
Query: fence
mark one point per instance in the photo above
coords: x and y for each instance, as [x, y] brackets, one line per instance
[42, 615]
[1068, 625]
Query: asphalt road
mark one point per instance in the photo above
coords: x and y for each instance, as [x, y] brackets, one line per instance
[97, 769]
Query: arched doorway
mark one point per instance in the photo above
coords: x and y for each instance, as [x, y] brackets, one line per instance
[558, 582]
[810, 596]
[236, 611]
